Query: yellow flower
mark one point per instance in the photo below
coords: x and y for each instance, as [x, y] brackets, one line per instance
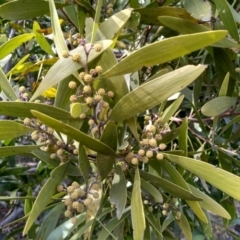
[50, 93]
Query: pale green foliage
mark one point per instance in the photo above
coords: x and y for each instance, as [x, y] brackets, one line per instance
[133, 128]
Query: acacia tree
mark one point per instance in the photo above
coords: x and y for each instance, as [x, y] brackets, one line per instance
[129, 112]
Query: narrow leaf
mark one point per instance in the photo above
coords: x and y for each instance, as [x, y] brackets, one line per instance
[209, 204]
[227, 18]
[14, 43]
[6, 87]
[11, 129]
[224, 87]
[184, 26]
[138, 218]
[26, 9]
[178, 179]
[152, 191]
[64, 67]
[74, 133]
[169, 112]
[57, 31]
[226, 182]
[118, 191]
[64, 230]
[41, 40]
[184, 225]
[45, 195]
[154, 92]
[83, 162]
[217, 106]
[23, 109]
[169, 187]
[14, 150]
[105, 161]
[50, 222]
[168, 49]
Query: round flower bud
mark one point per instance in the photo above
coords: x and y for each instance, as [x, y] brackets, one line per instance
[150, 208]
[152, 143]
[105, 105]
[60, 188]
[80, 208]
[60, 152]
[160, 156]
[53, 156]
[37, 101]
[178, 215]
[68, 214]
[162, 146]
[74, 220]
[70, 189]
[98, 69]
[75, 205]
[95, 187]
[59, 143]
[89, 100]
[75, 43]
[65, 54]
[76, 57]
[237, 69]
[73, 98]
[45, 149]
[97, 98]
[87, 78]
[22, 89]
[34, 137]
[82, 116]
[129, 156]
[25, 95]
[94, 130]
[110, 11]
[147, 118]
[141, 152]
[72, 84]
[110, 5]
[152, 129]
[134, 161]
[92, 72]
[68, 201]
[75, 185]
[50, 130]
[80, 192]
[49, 142]
[97, 47]
[41, 139]
[164, 212]
[75, 151]
[96, 195]
[149, 154]
[166, 205]
[27, 121]
[144, 159]
[145, 202]
[87, 89]
[69, 208]
[110, 94]
[158, 137]
[91, 122]
[101, 91]
[81, 75]
[144, 142]
[87, 201]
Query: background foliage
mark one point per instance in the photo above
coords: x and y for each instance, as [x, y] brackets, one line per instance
[119, 119]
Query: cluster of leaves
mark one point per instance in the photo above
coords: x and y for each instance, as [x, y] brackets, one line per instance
[128, 114]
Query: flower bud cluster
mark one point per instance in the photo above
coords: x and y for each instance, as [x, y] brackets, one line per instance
[78, 199]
